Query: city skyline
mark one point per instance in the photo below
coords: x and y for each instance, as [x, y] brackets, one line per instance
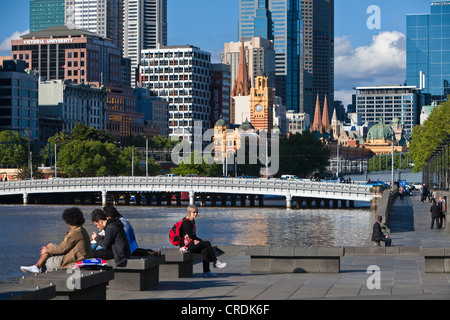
[363, 56]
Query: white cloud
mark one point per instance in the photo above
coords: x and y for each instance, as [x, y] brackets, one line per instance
[6, 43]
[381, 63]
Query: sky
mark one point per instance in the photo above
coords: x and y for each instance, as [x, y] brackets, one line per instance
[363, 56]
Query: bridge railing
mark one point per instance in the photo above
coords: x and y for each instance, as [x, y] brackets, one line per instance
[196, 181]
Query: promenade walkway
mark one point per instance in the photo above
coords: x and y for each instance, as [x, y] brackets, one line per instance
[402, 276]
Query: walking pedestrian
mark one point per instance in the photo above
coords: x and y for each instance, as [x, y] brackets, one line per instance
[441, 211]
[194, 244]
[434, 209]
[401, 193]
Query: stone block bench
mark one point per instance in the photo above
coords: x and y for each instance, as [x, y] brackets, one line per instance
[295, 259]
[21, 292]
[437, 260]
[78, 285]
[177, 264]
[139, 274]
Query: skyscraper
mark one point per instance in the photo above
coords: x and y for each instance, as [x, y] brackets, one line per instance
[104, 17]
[317, 74]
[278, 21]
[145, 26]
[428, 50]
[45, 14]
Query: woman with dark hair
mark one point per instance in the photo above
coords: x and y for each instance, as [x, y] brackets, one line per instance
[114, 244]
[75, 246]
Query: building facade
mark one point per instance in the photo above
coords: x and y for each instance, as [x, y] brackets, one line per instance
[317, 54]
[428, 51]
[19, 100]
[180, 75]
[46, 13]
[73, 103]
[61, 53]
[155, 109]
[104, 17]
[145, 26]
[220, 92]
[259, 55]
[388, 103]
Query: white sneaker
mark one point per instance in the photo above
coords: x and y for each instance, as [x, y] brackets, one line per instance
[219, 264]
[30, 269]
[209, 274]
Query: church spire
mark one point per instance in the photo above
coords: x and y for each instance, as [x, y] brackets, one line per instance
[317, 124]
[325, 117]
[241, 83]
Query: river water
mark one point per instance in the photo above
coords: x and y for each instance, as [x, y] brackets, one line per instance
[24, 229]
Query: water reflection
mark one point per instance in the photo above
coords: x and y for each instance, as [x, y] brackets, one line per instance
[24, 229]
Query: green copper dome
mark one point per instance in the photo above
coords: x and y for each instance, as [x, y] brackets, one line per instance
[246, 125]
[380, 131]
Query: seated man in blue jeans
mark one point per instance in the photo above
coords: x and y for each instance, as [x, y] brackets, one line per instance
[378, 234]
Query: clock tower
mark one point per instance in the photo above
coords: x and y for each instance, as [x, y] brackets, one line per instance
[261, 105]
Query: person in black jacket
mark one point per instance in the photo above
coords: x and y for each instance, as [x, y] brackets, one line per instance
[194, 244]
[115, 243]
[435, 214]
[378, 235]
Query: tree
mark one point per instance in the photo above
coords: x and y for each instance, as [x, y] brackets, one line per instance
[89, 158]
[13, 149]
[303, 155]
[427, 137]
[198, 166]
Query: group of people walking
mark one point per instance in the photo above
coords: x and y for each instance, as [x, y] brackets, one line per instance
[115, 240]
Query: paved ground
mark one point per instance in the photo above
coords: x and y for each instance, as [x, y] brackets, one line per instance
[402, 277]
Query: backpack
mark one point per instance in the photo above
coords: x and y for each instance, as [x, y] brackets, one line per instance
[174, 234]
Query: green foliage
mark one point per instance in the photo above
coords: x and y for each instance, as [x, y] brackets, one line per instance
[427, 137]
[198, 165]
[376, 165]
[13, 149]
[89, 152]
[303, 155]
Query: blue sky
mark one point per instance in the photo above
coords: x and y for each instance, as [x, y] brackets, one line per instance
[208, 24]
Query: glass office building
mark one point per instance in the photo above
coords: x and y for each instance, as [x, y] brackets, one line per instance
[303, 36]
[45, 14]
[428, 51]
[278, 21]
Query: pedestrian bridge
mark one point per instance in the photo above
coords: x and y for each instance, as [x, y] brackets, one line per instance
[230, 188]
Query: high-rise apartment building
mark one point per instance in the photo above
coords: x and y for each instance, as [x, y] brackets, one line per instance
[145, 26]
[104, 17]
[317, 74]
[46, 13]
[280, 21]
[428, 50]
[180, 75]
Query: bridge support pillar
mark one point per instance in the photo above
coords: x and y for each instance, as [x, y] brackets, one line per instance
[223, 200]
[351, 203]
[191, 197]
[252, 200]
[261, 200]
[25, 198]
[242, 197]
[288, 201]
[104, 197]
